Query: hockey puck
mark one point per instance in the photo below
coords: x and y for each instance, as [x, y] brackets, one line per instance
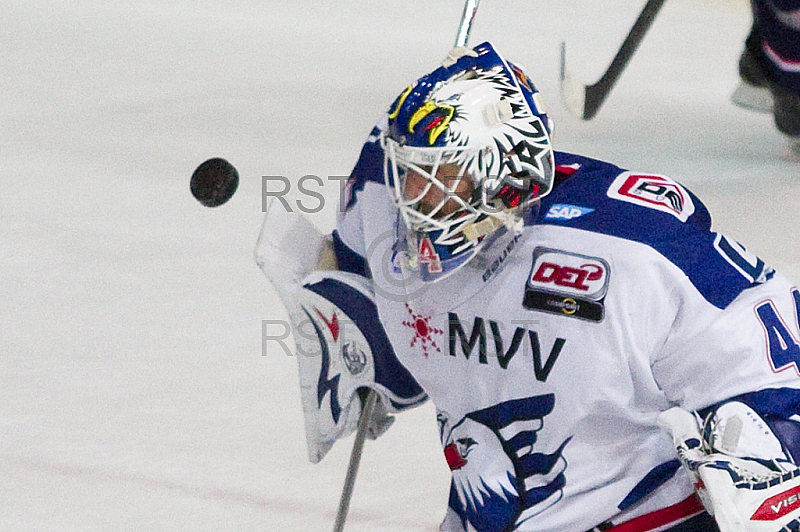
[214, 182]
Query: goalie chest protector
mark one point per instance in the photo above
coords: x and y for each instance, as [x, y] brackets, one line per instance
[549, 355]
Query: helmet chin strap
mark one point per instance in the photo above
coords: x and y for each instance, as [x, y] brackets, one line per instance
[488, 225]
[476, 230]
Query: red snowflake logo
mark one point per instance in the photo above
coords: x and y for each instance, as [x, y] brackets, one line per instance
[423, 331]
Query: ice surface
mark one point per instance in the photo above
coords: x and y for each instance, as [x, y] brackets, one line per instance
[134, 390]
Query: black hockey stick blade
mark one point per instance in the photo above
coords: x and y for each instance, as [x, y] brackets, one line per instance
[585, 100]
[752, 98]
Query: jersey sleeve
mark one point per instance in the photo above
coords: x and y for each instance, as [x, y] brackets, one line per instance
[727, 347]
[348, 238]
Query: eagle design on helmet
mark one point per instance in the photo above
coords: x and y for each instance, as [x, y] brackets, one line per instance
[467, 153]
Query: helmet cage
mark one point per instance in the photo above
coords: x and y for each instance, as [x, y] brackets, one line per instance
[428, 163]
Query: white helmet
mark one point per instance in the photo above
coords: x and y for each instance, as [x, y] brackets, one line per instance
[467, 153]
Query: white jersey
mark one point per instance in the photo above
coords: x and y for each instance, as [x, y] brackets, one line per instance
[549, 356]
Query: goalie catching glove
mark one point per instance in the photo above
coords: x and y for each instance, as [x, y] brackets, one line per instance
[341, 347]
[739, 468]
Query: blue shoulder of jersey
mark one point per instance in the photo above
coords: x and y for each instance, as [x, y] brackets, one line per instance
[369, 167]
[656, 211]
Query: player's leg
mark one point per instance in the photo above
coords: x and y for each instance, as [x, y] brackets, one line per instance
[771, 59]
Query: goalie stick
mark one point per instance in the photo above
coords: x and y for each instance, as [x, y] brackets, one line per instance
[462, 37]
[355, 459]
[585, 100]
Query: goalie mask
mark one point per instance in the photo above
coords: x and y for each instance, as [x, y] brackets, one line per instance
[467, 153]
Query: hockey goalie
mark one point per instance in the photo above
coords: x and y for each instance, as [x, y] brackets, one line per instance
[560, 313]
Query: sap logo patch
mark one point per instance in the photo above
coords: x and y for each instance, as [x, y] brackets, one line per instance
[653, 191]
[563, 211]
[568, 284]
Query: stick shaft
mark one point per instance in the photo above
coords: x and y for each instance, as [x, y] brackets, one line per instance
[470, 8]
[355, 460]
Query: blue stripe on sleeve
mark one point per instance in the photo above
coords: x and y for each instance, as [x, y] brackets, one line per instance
[349, 260]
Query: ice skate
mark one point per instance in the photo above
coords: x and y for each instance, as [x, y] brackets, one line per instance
[757, 92]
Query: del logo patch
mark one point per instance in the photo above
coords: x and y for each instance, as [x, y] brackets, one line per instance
[653, 191]
[567, 283]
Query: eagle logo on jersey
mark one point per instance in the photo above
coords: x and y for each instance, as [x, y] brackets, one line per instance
[500, 478]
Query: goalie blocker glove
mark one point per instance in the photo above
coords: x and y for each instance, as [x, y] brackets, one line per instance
[743, 474]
